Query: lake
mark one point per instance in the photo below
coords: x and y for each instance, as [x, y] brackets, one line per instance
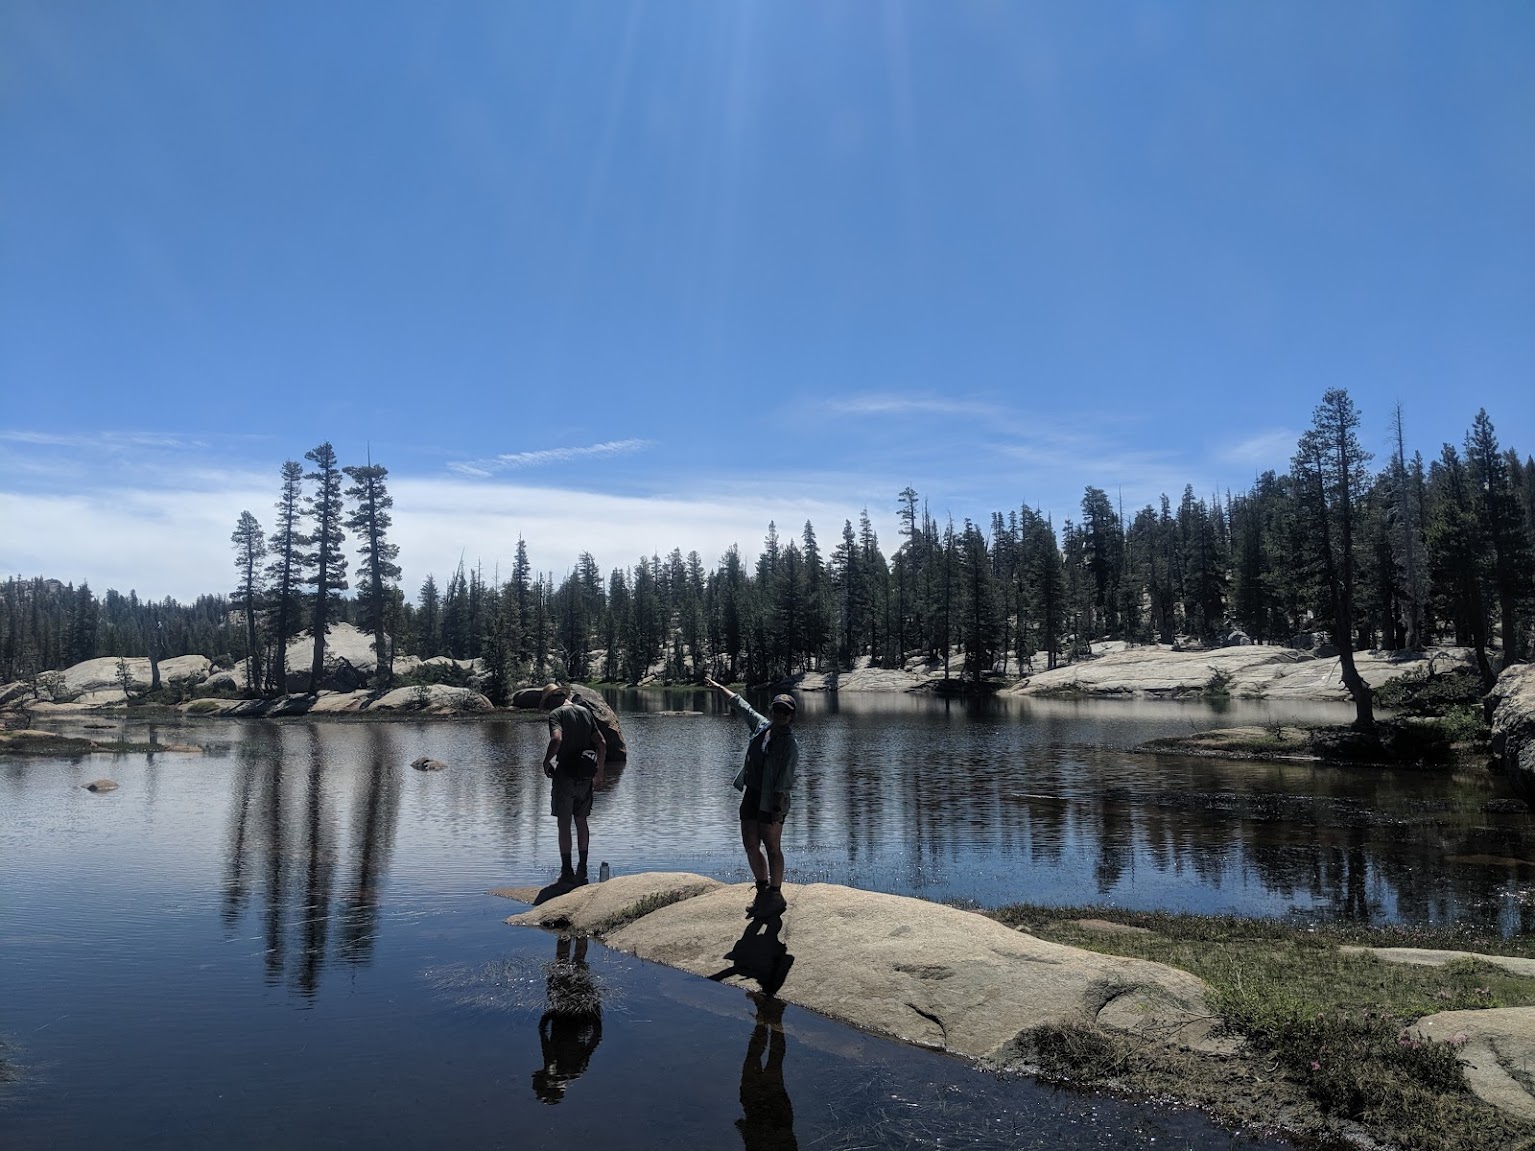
[286, 941]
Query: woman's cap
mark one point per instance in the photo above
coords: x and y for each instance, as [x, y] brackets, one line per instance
[784, 701]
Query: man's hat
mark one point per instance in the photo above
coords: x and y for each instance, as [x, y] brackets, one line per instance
[785, 701]
[552, 691]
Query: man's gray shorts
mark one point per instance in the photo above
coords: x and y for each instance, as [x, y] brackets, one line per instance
[570, 797]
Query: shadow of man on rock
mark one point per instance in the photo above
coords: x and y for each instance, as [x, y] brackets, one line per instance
[760, 955]
[571, 1028]
[767, 1115]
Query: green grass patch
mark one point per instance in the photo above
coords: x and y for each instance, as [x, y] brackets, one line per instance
[643, 907]
[1333, 1025]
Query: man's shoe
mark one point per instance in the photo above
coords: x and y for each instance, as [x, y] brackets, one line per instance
[567, 876]
[580, 877]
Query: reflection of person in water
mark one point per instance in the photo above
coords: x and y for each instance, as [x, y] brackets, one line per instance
[767, 1116]
[571, 1028]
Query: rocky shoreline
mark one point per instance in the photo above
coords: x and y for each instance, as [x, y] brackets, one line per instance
[961, 981]
[1115, 671]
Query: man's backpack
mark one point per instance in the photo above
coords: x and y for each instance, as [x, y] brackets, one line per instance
[578, 744]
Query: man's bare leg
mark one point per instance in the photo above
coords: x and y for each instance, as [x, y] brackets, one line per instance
[583, 843]
[564, 822]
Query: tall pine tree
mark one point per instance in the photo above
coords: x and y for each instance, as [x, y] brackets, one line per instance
[328, 575]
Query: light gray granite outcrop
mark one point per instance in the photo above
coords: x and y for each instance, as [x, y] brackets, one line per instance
[1513, 720]
[922, 972]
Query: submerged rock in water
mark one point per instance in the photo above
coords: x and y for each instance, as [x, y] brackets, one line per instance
[425, 763]
[100, 785]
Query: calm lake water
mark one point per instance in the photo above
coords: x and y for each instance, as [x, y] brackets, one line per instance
[286, 942]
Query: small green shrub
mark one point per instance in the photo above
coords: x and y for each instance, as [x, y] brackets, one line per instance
[54, 686]
[1425, 692]
[1465, 723]
[1219, 683]
[449, 674]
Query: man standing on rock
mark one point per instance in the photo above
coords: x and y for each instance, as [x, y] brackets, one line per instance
[574, 761]
[765, 780]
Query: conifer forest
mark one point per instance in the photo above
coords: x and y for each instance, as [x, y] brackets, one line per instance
[1396, 552]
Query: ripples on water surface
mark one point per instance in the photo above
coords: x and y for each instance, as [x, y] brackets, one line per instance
[285, 942]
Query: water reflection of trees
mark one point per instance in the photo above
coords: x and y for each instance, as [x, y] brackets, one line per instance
[1361, 846]
[372, 841]
[283, 846]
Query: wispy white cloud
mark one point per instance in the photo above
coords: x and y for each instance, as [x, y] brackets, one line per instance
[1268, 449]
[896, 405]
[514, 461]
[101, 440]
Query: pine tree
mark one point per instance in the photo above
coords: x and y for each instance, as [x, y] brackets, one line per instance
[328, 575]
[250, 548]
[455, 614]
[978, 619]
[1504, 537]
[1455, 555]
[1103, 557]
[907, 566]
[1047, 577]
[731, 607]
[817, 605]
[370, 522]
[851, 589]
[428, 630]
[286, 571]
[521, 590]
[875, 573]
[616, 621]
[1405, 517]
[1329, 467]
[692, 627]
[494, 649]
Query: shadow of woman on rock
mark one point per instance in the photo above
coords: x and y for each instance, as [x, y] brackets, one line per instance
[767, 1116]
[571, 1028]
[760, 955]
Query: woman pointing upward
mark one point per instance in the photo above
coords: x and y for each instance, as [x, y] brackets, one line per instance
[765, 779]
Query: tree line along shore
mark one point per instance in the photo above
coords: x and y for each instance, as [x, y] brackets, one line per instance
[1400, 557]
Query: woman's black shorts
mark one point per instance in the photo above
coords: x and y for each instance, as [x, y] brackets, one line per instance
[751, 809]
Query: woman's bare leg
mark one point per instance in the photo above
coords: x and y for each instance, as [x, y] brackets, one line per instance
[751, 839]
[772, 843]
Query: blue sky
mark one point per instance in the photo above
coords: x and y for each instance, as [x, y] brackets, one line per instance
[624, 278]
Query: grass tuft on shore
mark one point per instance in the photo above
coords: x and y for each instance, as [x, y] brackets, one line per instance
[1332, 1026]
